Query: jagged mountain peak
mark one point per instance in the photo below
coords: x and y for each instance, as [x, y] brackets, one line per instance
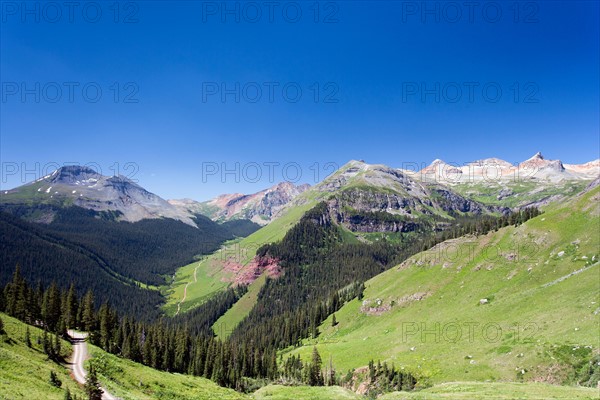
[536, 156]
[538, 163]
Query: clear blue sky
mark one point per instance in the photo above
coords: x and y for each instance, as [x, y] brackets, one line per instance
[373, 57]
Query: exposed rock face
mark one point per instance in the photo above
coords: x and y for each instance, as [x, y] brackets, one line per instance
[450, 201]
[274, 199]
[356, 224]
[259, 207]
[370, 201]
[246, 274]
[85, 188]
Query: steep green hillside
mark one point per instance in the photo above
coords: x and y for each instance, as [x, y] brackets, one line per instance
[519, 304]
[24, 371]
[446, 391]
[496, 391]
[228, 321]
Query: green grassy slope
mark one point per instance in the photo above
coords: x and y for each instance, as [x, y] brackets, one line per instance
[445, 391]
[278, 392]
[24, 371]
[228, 321]
[496, 391]
[538, 322]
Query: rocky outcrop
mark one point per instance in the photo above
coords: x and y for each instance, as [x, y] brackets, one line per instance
[260, 207]
[451, 202]
[240, 274]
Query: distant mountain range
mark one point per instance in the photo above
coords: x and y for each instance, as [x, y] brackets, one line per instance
[84, 187]
[496, 170]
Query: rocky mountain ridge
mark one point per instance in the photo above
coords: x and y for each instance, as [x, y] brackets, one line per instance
[260, 207]
[536, 168]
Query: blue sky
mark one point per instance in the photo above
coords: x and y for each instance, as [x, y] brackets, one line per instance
[189, 88]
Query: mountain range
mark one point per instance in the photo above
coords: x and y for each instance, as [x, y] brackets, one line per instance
[82, 186]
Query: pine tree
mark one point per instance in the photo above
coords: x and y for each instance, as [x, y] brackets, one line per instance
[70, 308]
[92, 386]
[61, 328]
[371, 371]
[106, 326]
[51, 307]
[27, 337]
[334, 321]
[46, 345]
[331, 381]
[57, 348]
[88, 317]
[361, 290]
[182, 351]
[1, 326]
[15, 292]
[315, 377]
[126, 347]
[54, 381]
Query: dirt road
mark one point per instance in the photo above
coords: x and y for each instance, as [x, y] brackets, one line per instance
[80, 354]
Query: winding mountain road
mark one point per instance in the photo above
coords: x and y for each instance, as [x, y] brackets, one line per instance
[80, 354]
